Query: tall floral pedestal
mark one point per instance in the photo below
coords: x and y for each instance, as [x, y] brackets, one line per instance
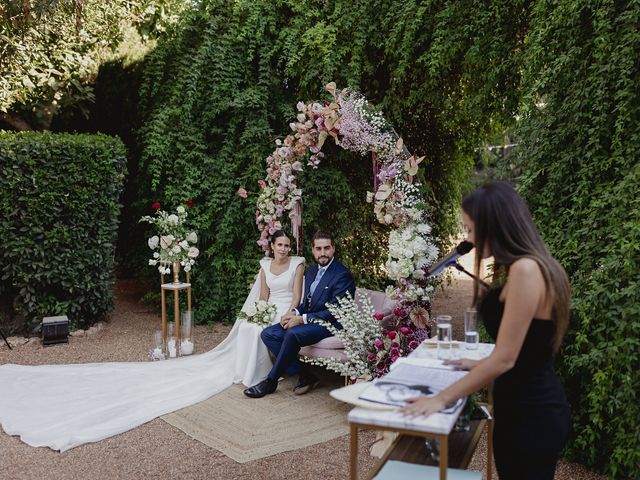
[176, 287]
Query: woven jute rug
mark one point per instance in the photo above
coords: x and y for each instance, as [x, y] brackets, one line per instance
[247, 429]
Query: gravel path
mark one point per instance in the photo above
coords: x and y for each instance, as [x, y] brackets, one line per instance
[158, 450]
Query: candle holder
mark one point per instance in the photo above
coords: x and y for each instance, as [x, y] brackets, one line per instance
[186, 337]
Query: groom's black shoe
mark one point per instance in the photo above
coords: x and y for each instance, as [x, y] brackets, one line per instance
[263, 388]
[306, 383]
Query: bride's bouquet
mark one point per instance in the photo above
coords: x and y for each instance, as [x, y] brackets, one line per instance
[262, 313]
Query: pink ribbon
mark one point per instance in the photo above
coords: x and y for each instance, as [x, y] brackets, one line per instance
[296, 225]
[374, 163]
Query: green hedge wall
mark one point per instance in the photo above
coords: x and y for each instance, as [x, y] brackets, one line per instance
[59, 206]
[224, 85]
[580, 151]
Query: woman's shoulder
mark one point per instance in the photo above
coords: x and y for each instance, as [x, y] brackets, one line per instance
[265, 263]
[525, 266]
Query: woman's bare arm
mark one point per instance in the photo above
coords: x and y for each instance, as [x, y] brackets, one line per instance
[264, 289]
[297, 286]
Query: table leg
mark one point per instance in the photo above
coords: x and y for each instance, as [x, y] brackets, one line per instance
[354, 452]
[164, 320]
[176, 315]
[444, 456]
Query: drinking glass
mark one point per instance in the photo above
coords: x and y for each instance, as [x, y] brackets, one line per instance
[471, 336]
[443, 326]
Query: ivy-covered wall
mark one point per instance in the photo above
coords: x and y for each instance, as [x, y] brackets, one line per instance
[223, 87]
[59, 206]
[580, 154]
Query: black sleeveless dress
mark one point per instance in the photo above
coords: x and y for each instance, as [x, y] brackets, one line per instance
[532, 416]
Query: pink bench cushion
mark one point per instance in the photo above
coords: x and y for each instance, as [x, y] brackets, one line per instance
[332, 347]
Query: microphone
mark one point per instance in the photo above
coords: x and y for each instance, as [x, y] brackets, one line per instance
[463, 248]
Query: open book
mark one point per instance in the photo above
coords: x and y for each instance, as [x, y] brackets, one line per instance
[408, 380]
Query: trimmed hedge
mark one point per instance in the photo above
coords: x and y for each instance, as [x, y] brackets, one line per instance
[59, 207]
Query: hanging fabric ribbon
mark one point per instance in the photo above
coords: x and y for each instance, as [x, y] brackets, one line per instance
[374, 166]
[296, 226]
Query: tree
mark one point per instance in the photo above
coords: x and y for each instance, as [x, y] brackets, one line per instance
[50, 50]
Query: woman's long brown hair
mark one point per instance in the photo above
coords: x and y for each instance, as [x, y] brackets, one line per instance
[504, 224]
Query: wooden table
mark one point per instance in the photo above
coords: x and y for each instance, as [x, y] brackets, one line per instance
[409, 445]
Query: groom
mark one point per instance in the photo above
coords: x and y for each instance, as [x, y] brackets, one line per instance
[324, 283]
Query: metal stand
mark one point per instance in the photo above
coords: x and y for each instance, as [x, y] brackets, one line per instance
[460, 268]
[5, 340]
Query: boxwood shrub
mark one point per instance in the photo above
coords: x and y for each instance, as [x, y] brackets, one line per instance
[59, 207]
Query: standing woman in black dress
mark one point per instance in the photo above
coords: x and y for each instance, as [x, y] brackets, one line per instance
[527, 313]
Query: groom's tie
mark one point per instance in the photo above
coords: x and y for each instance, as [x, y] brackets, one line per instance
[315, 283]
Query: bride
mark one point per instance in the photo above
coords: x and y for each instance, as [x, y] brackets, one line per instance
[63, 406]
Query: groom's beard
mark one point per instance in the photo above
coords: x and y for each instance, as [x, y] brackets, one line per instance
[323, 261]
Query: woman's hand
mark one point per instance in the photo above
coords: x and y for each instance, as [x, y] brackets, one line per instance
[462, 363]
[423, 406]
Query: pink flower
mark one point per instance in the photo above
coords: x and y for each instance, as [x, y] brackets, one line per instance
[394, 358]
[394, 344]
[391, 335]
[394, 352]
[413, 344]
[371, 357]
[155, 205]
[262, 184]
[378, 316]
[398, 312]
[189, 203]
[242, 193]
[379, 343]
[405, 330]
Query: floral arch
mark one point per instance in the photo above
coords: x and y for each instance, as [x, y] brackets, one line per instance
[354, 124]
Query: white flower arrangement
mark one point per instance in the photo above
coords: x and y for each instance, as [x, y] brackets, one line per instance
[262, 313]
[359, 330]
[173, 242]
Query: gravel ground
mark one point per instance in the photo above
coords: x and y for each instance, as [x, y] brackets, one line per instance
[158, 450]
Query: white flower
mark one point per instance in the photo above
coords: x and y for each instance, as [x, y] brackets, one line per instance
[184, 244]
[388, 218]
[251, 310]
[180, 209]
[153, 262]
[261, 305]
[166, 241]
[193, 252]
[153, 242]
[173, 219]
[156, 255]
[176, 249]
[187, 267]
[369, 197]
[424, 228]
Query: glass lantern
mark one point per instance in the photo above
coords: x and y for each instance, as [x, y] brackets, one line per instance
[186, 331]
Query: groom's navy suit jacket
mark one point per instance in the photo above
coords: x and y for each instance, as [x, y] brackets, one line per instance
[335, 283]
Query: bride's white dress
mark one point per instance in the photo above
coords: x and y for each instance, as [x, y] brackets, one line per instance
[63, 406]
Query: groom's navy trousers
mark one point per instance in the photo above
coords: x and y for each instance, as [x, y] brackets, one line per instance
[285, 344]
